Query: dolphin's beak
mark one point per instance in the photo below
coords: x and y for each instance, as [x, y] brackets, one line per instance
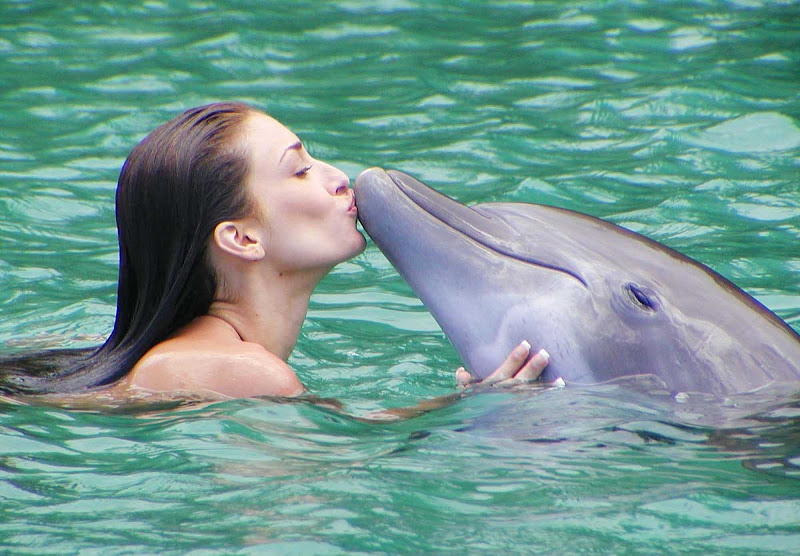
[382, 194]
[396, 187]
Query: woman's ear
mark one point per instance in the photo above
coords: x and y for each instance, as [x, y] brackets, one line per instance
[239, 239]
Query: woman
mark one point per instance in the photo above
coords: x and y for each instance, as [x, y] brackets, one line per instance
[226, 224]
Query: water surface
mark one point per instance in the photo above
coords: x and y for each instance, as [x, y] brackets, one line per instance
[680, 120]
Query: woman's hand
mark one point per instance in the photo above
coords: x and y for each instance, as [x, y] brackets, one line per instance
[515, 369]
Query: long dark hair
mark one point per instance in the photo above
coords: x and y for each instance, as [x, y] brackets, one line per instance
[177, 184]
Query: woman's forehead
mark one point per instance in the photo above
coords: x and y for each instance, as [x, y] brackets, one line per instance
[266, 133]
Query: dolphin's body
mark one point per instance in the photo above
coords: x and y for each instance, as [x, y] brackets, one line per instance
[604, 301]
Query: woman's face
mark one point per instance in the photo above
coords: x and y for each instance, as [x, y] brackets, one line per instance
[307, 205]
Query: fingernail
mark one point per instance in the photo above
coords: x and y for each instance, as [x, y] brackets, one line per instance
[525, 344]
[544, 354]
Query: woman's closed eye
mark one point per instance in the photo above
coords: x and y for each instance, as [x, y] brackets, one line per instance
[303, 171]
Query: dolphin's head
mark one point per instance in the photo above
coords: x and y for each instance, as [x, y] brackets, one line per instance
[605, 302]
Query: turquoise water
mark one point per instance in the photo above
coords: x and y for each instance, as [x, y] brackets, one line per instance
[680, 120]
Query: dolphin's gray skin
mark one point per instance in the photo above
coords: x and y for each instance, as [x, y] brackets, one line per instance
[604, 301]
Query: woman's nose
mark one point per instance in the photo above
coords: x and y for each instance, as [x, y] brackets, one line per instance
[340, 183]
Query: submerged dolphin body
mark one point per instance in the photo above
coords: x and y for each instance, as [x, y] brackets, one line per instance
[604, 301]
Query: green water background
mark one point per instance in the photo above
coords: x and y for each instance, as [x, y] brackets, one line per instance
[680, 120]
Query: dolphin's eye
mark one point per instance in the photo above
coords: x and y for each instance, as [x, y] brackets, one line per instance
[642, 297]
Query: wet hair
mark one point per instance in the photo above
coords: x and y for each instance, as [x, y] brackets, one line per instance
[177, 184]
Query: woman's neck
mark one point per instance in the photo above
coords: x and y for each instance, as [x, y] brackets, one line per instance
[268, 310]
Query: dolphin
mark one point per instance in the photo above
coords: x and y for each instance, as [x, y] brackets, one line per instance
[604, 301]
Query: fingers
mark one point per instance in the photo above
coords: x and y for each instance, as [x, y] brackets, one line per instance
[511, 365]
[519, 367]
[463, 378]
[529, 372]
[534, 368]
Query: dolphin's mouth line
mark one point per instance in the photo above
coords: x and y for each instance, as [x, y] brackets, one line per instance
[430, 206]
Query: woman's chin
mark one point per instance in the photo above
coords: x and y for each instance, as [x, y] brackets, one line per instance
[356, 247]
[361, 244]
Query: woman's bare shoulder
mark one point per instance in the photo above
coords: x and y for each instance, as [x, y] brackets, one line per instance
[233, 369]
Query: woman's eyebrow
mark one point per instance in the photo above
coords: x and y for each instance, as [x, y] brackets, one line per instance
[294, 146]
